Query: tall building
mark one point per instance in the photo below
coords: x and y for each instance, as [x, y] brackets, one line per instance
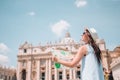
[34, 62]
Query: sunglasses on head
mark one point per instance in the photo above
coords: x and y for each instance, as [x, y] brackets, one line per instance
[83, 33]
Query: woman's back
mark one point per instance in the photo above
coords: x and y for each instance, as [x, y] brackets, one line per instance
[91, 69]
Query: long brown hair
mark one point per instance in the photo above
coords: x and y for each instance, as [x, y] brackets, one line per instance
[95, 47]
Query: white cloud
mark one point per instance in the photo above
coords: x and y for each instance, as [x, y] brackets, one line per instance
[32, 13]
[3, 48]
[80, 3]
[3, 59]
[59, 27]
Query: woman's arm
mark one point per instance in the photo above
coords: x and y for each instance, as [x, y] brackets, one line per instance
[81, 52]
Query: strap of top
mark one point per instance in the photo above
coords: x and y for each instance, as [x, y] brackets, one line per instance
[89, 48]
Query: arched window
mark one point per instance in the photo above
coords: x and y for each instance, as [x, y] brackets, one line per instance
[23, 74]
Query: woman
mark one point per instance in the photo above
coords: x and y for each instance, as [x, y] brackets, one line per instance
[90, 54]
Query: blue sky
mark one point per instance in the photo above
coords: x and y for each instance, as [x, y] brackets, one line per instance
[40, 21]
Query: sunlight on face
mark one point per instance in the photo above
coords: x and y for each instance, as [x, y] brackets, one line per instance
[85, 37]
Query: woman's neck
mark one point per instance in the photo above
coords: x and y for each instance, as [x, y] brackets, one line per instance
[87, 42]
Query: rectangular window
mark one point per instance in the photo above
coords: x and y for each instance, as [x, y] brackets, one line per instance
[67, 76]
[60, 75]
[25, 50]
[43, 76]
[78, 74]
[9, 77]
[52, 77]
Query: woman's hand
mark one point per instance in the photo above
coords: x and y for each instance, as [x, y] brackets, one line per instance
[54, 58]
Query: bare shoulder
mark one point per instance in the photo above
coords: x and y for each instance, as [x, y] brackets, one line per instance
[83, 49]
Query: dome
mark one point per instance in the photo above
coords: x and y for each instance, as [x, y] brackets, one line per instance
[67, 39]
[67, 35]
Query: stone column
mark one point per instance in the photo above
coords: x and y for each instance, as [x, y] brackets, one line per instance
[28, 71]
[46, 70]
[38, 70]
[74, 74]
[18, 70]
[56, 73]
[50, 70]
[71, 76]
[64, 74]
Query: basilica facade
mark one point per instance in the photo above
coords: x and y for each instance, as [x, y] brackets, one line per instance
[35, 62]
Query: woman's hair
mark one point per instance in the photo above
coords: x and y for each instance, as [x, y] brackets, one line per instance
[95, 47]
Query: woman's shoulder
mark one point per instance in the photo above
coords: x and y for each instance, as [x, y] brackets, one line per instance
[86, 48]
[83, 49]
